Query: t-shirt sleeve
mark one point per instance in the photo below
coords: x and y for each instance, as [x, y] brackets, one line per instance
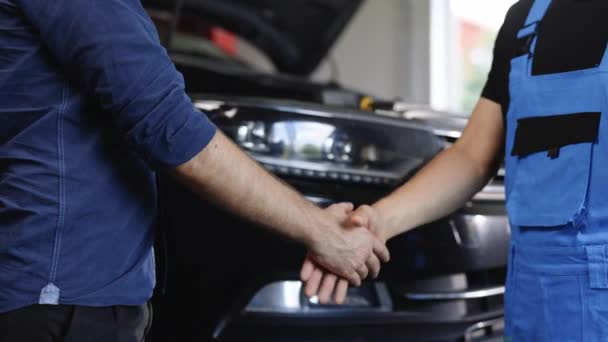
[497, 85]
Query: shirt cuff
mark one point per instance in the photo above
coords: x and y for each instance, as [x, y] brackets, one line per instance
[182, 144]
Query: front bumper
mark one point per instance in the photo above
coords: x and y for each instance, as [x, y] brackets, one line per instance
[280, 312]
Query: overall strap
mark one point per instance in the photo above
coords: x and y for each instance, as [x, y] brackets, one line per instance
[528, 36]
[604, 63]
[535, 16]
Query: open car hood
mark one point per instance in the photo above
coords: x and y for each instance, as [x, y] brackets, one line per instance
[295, 35]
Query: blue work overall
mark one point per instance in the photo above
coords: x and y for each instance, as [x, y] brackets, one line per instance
[557, 197]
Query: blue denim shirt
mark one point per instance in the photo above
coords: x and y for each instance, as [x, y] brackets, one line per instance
[90, 105]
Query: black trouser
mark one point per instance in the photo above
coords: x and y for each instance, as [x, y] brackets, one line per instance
[70, 323]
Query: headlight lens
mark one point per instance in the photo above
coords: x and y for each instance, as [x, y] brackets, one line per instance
[300, 140]
[328, 146]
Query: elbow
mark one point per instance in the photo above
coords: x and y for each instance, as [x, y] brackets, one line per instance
[482, 168]
[485, 169]
[483, 172]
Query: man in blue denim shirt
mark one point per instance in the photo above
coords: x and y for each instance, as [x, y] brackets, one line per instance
[90, 106]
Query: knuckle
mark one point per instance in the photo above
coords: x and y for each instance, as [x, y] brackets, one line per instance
[344, 270]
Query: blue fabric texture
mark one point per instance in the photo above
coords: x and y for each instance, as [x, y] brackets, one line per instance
[90, 106]
[557, 284]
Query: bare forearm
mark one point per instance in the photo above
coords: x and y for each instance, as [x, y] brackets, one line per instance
[439, 189]
[229, 178]
[452, 178]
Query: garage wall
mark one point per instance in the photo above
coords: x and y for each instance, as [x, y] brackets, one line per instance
[385, 50]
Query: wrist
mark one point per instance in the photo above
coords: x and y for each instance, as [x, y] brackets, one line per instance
[315, 232]
[388, 225]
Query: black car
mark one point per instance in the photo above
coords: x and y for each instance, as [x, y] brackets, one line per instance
[224, 279]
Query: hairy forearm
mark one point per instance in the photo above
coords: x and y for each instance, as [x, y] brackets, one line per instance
[226, 176]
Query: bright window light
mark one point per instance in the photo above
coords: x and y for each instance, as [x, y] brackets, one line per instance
[462, 39]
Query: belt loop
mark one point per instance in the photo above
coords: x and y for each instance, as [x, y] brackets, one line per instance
[598, 270]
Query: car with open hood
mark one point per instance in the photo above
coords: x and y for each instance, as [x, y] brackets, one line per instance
[221, 278]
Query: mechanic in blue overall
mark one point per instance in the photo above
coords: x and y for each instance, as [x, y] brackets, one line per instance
[91, 106]
[555, 143]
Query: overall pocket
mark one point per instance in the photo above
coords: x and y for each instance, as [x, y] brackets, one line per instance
[551, 165]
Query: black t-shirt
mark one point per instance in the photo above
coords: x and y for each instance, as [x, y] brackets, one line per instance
[572, 36]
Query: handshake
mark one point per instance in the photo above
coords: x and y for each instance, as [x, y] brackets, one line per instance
[351, 249]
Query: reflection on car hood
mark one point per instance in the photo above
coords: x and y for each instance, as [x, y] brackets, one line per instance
[445, 124]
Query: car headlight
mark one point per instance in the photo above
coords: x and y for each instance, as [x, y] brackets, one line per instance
[303, 140]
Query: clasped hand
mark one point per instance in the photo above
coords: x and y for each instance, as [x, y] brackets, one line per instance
[320, 278]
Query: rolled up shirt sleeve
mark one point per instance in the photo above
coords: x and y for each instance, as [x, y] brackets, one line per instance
[112, 49]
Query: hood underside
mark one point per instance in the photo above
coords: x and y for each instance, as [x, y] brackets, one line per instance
[295, 35]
